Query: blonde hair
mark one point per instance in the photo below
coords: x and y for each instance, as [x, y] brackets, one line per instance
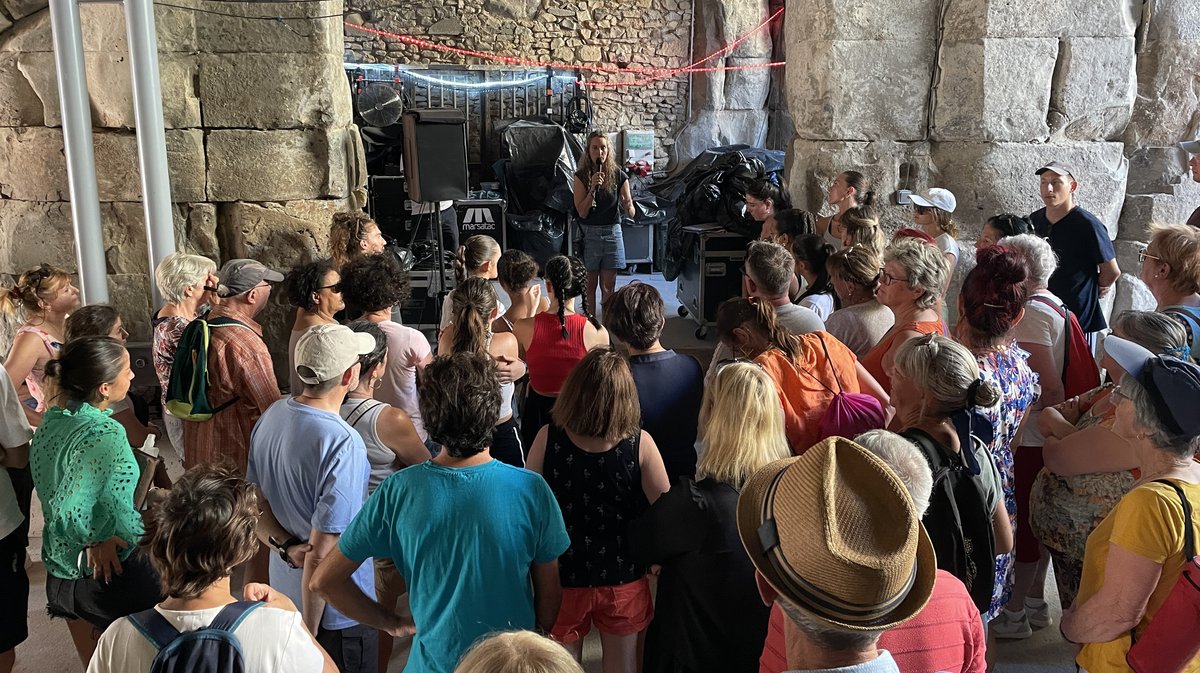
[179, 271]
[518, 652]
[346, 231]
[1178, 246]
[862, 225]
[741, 424]
[609, 168]
[946, 373]
[925, 265]
[944, 219]
[857, 264]
[41, 284]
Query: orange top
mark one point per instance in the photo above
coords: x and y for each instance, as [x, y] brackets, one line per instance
[873, 362]
[807, 390]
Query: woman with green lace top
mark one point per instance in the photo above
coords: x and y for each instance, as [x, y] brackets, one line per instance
[85, 475]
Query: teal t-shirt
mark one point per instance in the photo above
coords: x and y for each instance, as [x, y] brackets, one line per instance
[464, 540]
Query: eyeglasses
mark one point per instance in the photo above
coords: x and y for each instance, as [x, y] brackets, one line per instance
[886, 278]
[1119, 394]
[1142, 255]
[124, 333]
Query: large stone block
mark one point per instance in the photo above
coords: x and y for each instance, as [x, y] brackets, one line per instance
[813, 165]
[1167, 108]
[104, 30]
[853, 90]
[710, 128]
[746, 89]
[130, 295]
[279, 235]
[719, 22]
[276, 165]
[823, 19]
[1093, 90]
[1131, 295]
[1143, 210]
[1175, 20]
[1127, 256]
[315, 28]
[33, 167]
[990, 178]
[110, 89]
[1158, 170]
[994, 89]
[19, 102]
[33, 233]
[22, 8]
[966, 19]
[274, 91]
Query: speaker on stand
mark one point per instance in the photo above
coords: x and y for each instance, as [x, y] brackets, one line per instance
[435, 170]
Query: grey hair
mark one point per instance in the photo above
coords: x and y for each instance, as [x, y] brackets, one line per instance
[771, 267]
[925, 265]
[1037, 254]
[1147, 416]
[1157, 332]
[317, 388]
[944, 370]
[827, 636]
[179, 271]
[906, 461]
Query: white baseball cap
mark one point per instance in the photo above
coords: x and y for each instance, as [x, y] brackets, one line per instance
[939, 198]
[324, 352]
[1191, 146]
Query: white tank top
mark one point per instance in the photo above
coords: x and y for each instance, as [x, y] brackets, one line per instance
[362, 415]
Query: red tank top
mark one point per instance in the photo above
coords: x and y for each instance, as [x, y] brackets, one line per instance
[551, 357]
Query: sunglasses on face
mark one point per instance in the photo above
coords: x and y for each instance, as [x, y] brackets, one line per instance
[921, 210]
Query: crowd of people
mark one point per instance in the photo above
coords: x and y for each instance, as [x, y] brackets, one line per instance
[850, 484]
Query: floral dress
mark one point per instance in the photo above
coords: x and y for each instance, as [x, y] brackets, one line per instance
[1008, 370]
[1064, 511]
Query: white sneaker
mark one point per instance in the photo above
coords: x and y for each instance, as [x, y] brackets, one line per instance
[1039, 615]
[1010, 626]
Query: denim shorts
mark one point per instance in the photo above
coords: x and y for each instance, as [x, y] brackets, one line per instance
[603, 248]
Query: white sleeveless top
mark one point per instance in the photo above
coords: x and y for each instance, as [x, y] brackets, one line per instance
[362, 415]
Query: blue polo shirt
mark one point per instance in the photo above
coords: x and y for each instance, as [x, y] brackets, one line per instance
[313, 469]
[1081, 242]
[464, 540]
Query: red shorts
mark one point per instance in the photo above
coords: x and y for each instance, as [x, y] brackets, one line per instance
[618, 610]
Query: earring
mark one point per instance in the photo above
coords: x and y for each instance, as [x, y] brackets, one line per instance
[104, 396]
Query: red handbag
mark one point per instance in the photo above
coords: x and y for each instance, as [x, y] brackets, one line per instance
[1172, 639]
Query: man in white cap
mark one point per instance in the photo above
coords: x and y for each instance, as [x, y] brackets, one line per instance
[312, 470]
[836, 537]
[1087, 263]
[1192, 147]
[241, 377]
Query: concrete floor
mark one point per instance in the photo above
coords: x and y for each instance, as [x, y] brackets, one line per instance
[49, 649]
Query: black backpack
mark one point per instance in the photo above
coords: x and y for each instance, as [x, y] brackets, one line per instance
[212, 649]
[959, 521]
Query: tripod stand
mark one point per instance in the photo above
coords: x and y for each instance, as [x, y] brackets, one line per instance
[440, 282]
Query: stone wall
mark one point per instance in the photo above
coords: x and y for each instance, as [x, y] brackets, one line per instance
[975, 95]
[259, 141]
[643, 33]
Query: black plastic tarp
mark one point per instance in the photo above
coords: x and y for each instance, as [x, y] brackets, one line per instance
[712, 189]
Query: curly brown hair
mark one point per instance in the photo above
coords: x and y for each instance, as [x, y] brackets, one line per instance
[202, 530]
[459, 397]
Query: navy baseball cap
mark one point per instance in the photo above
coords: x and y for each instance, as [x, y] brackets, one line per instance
[1173, 384]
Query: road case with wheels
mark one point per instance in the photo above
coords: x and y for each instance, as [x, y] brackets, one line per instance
[711, 273]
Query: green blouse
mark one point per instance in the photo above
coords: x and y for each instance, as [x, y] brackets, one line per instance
[85, 475]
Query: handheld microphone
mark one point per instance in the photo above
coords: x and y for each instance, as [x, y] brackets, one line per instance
[596, 169]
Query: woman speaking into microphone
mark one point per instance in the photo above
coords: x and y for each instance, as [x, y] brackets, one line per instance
[601, 194]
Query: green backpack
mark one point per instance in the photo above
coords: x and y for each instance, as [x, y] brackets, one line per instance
[187, 392]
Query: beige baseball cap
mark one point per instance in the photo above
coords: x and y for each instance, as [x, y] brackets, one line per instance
[323, 352]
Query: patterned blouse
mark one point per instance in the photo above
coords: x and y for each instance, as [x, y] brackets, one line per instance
[1007, 368]
[85, 475]
[166, 341]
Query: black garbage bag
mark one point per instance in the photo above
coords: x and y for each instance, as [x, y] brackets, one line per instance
[539, 234]
[712, 189]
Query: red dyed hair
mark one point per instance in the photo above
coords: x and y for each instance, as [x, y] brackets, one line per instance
[993, 293]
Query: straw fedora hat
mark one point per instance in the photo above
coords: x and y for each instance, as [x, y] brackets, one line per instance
[834, 532]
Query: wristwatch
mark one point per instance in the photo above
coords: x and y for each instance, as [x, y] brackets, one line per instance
[283, 547]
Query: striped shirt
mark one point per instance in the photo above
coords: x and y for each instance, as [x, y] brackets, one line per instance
[239, 365]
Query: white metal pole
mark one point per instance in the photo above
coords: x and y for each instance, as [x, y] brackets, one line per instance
[77, 143]
[151, 137]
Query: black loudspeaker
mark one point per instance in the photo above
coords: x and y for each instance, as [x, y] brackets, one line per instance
[387, 204]
[435, 154]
